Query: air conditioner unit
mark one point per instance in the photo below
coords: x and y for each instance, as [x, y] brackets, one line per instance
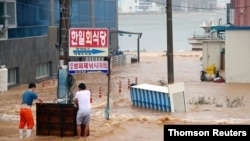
[3, 78]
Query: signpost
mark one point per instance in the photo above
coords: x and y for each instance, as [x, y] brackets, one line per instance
[106, 112]
[89, 42]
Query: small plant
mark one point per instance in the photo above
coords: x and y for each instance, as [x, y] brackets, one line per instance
[237, 102]
[203, 101]
[162, 82]
[231, 103]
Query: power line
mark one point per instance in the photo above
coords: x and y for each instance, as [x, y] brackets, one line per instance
[185, 7]
[59, 10]
[88, 16]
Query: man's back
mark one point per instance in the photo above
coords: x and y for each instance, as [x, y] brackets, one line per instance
[83, 98]
[28, 97]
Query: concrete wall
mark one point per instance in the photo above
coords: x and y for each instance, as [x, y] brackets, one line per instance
[237, 53]
[25, 54]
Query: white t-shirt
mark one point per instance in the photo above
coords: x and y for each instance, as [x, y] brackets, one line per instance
[83, 98]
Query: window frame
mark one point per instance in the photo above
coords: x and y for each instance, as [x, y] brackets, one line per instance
[6, 2]
[43, 70]
[12, 76]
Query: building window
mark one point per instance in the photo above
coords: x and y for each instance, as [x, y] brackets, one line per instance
[12, 76]
[8, 8]
[42, 12]
[1, 12]
[43, 70]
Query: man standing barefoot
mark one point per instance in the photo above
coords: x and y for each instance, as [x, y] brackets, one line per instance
[82, 99]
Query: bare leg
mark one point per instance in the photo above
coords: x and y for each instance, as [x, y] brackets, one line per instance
[78, 128]
[86, 131]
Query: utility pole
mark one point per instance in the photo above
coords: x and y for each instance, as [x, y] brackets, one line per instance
[62, 45]
[170, 42]
[64, 26]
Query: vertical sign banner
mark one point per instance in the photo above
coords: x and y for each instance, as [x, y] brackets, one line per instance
[88, 42]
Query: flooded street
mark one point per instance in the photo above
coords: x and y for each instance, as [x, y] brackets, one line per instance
[206, 102]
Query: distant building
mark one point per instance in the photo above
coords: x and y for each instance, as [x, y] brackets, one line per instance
[222, 3]
[137, 6]
[194, 5]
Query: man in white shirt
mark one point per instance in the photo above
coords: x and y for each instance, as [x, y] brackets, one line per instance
[82, 100]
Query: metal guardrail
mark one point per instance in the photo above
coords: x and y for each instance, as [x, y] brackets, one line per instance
[123, 59]
[210, 36]
[119, 60]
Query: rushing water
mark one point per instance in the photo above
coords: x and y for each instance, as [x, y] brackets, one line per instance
[128, 122]
[154, 29]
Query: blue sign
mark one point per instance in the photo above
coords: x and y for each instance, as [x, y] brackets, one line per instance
[93, 51]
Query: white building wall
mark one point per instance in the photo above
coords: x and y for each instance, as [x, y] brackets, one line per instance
[211, 53]
[237, 56]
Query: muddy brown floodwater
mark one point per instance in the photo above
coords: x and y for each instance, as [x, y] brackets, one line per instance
[226, 103]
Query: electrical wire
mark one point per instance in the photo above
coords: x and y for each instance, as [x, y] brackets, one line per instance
[88, 16]
[71, 80]
[71, 84]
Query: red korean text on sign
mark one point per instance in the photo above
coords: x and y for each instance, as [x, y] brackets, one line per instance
[81, 37]
[97, 65]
